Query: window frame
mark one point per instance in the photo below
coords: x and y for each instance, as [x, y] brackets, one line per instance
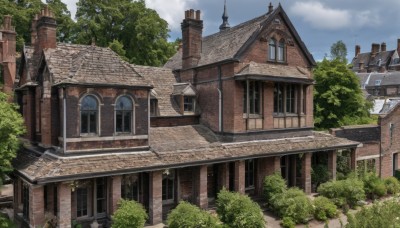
[250, 172]
[288, 98]
[153, 107]
[281, 51]
[89, 112]
[130, 190]
[80, 204]
[168, 187]
[189, 101]
[253, 98]
[277, 50]
[131, 114]
[100, 182]
[272, 49]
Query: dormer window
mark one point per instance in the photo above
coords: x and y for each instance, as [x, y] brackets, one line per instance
[189, 104]
[123, 115]
[89, 113]
[378, 82]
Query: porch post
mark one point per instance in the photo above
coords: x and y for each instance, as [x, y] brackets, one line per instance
[223, 176]
[353, 159]
[201, 198]
[36, 205]
[64, 205]
[332, 155]
[239, 176]
[115, 193]
[155, 195]
[306, 172]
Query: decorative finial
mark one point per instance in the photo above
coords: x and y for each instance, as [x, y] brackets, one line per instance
[225, 24]
[270, 7]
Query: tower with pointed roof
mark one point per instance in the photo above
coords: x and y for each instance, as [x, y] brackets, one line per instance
[225, 23]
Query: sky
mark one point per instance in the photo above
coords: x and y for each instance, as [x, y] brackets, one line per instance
[320, 23]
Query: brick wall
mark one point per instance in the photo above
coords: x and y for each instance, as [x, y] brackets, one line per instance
[169, 121]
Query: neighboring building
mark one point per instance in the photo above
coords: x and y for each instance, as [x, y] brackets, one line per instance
[380, 148]
[225, 111]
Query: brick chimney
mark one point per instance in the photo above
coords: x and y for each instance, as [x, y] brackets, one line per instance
[398, 45]
[46, 29]
[192, 32]
[374, 49]
[361, 67]
[7, 54]
[34, 31]
[358, 50]
[270, 7]
[383, 46]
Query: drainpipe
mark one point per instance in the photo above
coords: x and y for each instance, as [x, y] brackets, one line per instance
[64, 120]
[221, 101]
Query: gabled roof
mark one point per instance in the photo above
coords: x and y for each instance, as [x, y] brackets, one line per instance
[162, 80]
[185, 89]
[231, 43]
[84, 65]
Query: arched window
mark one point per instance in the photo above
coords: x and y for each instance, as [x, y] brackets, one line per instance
[89, 110]
[272, 49]
[281, 51]
[123, 115]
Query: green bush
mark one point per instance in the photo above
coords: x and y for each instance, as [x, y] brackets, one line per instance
[273, 184]
[190, 216]
[324, 208]
[397, 174]
[374, 186]
[129, 214]
[288, 223]
[319, 174]
[293, 204]
[5, 222]
[238, 211]
[392, 185]
[343, 193]
[382, 214]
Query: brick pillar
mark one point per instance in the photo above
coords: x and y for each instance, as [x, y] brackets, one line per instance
[64, 205]
[306, 172]
[36, 206]
[332, 155]
[239, 176]
[115, 193]
[155, 197]
[200, 179]
[266, 167]
[46, 115]
[223, 176]
[17, 188]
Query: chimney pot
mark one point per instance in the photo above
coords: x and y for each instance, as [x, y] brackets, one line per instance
[358, 50]
[198, 15]
[383, 46]
[187, 14]
[191, 14]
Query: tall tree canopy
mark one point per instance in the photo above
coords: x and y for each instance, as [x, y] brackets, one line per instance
[11, 126]
[339, 51]
[128, 24]
[23, 12]
[338, 98]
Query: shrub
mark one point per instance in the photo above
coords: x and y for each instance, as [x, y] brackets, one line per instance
[324, 208]
[293, 204]
[392, 185]
[397, 174]
[382, 214]
[238, 211]
[129, 214]
[288, 223]
[319, 174]
[273, 184]
[190, 216]
[5, 222]
[343, 193]
[374, 186]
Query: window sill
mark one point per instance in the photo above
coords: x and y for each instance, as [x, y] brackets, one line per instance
[277, 62]
[282, 115]
[252, 116]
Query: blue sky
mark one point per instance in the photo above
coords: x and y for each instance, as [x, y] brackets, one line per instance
[320, 23]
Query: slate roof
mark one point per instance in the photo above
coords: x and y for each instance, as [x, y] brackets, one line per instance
[197, 145]
[162, 79]
[372, 79]
[229, 43]
[274, 72]
[86, 65]
[383, 56]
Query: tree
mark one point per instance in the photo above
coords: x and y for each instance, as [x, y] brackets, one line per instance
[23, 12]
[11, 126]
[129, 214]
[139, 29]
[338, 99]
[339, 51]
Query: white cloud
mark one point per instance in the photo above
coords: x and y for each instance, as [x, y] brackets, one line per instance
[172, 10]
[322, 17]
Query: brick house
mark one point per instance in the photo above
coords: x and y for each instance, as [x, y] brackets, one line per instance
[379, 149]
[225, 111]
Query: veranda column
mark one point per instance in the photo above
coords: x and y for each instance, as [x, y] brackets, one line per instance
[353, 159]
[306, 172]
[64, 205]
[201, 186]
[155, 195]
[36, 205]
[223, 176]
[115, 193]
[239, 176]
[332, 157]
